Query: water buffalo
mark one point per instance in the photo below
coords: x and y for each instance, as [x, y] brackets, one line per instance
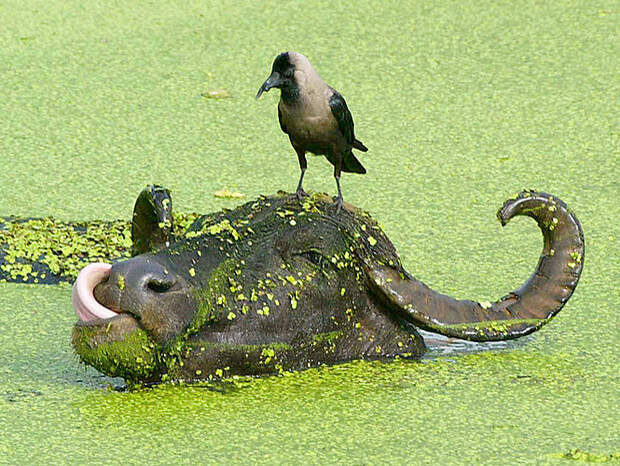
[282, 284]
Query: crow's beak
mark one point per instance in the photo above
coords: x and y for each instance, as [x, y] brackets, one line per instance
[272, 81]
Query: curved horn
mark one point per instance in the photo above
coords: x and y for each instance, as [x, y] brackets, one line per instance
[518, 313]
[152, 222]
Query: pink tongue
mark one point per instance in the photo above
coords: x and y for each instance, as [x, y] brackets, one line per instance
[86, 306]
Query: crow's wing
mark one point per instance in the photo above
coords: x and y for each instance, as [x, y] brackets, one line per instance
[342, 115]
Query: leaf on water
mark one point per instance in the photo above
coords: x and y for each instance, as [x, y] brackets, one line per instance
[216, 94]
[226, 194]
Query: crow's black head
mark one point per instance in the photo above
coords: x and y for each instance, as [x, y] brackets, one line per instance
[282, 76]
[282, 65]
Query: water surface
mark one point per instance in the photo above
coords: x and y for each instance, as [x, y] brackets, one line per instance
[462, 104]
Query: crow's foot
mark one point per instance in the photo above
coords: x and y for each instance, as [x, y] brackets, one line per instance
[300, 194]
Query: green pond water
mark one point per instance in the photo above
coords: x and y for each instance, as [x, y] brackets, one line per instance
[461, 103]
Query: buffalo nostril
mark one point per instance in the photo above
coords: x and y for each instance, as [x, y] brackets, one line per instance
[159, 286]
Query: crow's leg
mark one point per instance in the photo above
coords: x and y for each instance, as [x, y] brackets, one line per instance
[303, 164]
[337, 170]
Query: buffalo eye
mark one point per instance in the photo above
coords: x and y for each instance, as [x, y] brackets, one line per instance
[159, 286]
[313, 256]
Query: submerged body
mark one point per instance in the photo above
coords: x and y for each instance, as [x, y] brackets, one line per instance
[314, 116]
[278, 285]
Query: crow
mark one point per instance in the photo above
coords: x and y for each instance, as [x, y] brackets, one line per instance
[315, 117]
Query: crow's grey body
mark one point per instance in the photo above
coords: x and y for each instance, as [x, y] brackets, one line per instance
[314, 116]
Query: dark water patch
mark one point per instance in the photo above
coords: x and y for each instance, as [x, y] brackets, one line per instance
[442, 346]
[21, 395]
[587, 457]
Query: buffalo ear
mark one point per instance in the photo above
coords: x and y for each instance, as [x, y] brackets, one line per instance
[152, 222]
